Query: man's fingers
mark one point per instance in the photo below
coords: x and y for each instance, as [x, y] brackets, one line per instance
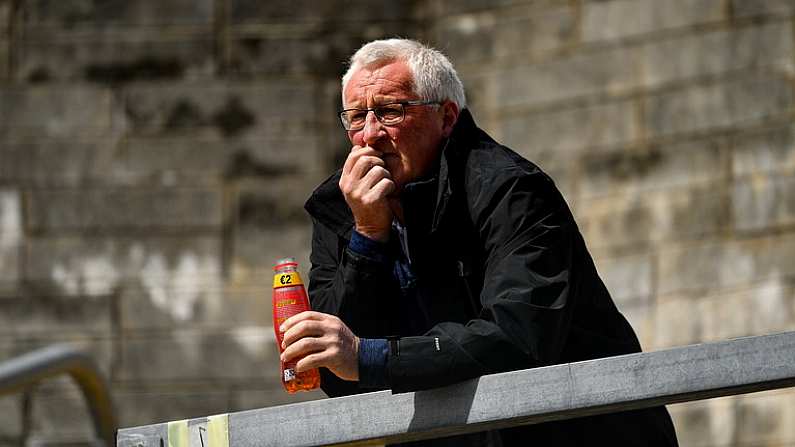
[305, 328]
[375, 175]
[350, 160]
[315, 360]
[356, 153]
[383, 188]
[358, 165]
[364, 165]
[303, 347]
[305, 315]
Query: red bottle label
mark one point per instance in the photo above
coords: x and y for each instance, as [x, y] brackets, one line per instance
[287, 301]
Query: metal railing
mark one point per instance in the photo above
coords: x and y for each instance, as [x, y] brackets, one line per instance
[529, 396]
[20, 373]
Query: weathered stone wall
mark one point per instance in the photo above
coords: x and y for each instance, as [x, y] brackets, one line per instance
[155, 155]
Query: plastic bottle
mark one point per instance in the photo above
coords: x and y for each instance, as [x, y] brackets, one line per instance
[289, 298]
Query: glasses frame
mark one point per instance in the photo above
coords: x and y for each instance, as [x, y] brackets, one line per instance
[403, 105]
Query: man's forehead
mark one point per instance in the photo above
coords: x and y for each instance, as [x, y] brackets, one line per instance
[388, 80]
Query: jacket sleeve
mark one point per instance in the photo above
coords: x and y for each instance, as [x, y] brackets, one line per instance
[356, 288]
[527, 236]
[347, 284]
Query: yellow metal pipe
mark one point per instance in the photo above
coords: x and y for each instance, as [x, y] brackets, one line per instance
[22, 372]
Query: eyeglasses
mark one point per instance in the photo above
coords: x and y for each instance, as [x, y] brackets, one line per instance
[387, 114]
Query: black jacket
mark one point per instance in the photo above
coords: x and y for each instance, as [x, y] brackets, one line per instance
[506, 278]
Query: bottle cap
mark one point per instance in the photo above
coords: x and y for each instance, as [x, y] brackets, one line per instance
[284, 262]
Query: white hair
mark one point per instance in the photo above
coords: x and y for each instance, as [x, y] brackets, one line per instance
[434, 77]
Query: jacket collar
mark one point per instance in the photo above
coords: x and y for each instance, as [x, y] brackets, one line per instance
[327, 204]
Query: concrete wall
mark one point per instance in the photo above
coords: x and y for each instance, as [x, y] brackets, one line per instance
[155, 156]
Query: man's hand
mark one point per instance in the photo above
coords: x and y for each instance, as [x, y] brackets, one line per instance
[325, 341]
[365, 184]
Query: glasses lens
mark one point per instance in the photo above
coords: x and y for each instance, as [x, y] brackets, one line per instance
[390, 113]
[353, 119]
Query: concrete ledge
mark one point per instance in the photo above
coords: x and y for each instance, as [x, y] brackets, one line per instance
[530, 396]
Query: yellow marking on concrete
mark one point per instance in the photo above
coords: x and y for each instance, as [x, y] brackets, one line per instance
[178, 434]
[218, 430]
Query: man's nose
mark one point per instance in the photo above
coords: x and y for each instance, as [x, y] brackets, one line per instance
[373, 129]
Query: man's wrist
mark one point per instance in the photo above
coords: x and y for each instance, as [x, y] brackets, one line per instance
[370, 248]
[381, 236]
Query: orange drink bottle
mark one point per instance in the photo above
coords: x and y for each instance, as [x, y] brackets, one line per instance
[289, 298]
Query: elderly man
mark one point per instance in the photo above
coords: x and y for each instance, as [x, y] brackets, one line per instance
[439, 255]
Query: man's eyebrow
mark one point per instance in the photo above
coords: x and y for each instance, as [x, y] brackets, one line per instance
[376, 103]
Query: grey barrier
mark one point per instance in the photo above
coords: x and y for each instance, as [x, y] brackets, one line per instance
[529, 396]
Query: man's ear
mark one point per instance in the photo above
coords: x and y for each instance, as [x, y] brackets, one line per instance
[450, 110]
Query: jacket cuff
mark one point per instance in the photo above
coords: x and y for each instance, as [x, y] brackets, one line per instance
[369, 248]
[419, 363]
[373, 353]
